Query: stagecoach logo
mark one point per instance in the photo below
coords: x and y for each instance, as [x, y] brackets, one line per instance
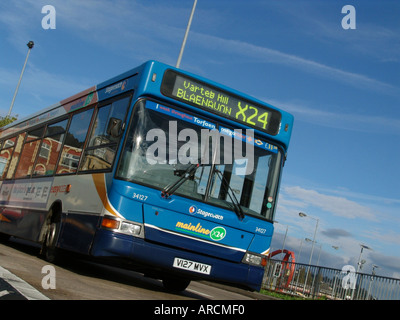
[193, 210]
[119, 86]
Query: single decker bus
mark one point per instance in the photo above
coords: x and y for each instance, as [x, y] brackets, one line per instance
[169, 172]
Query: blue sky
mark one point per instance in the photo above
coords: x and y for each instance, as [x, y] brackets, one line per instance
[342, 86]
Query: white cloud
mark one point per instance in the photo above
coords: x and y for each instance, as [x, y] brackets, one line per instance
[137, 24]
[352, 219]
[140, 24]
[46, 91]
[339, 120]
[338, 206]
[268, 55]
[370, 39]
[387, 236]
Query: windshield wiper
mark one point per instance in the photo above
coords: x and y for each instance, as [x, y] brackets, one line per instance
[171, 188]
[236, 205]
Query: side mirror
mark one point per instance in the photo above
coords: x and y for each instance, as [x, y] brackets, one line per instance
[114, 127]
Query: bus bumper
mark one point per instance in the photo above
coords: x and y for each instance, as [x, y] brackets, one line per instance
[160, 259]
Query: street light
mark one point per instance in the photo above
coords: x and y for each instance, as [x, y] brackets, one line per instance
[363, 246]
[30, 45]
[320, 248]
[374, 266]
[284, 239]
[303, 215]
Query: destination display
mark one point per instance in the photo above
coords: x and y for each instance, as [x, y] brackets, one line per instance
[220, 102]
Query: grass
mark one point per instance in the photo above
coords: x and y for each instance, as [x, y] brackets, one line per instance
[282, 296]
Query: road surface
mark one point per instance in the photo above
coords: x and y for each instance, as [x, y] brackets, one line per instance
[78, 279]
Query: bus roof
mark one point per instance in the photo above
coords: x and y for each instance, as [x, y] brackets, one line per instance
[125, 82]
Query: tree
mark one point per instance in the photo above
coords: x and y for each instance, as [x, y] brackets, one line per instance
[7, 120]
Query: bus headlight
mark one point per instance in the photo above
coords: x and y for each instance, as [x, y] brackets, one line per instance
[255, 259]
[123, 226]
[130, 228]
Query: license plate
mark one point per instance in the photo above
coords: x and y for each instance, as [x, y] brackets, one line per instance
[192, 266]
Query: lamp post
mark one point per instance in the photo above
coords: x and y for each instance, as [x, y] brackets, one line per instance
[178, 63]
[284, 238]
[320, 248]
[317, 264]
[298, 261]
[363, 246]
[374, 266]
[303, 215]
[30, 45]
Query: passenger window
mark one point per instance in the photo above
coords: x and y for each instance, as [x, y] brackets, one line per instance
[15, 156]
[74, 142]
[99, 135]
[50, 148]
[104, 138]
[28, 154]
[5, 155]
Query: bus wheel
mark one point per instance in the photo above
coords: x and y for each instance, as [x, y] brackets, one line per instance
[4, 237]
[49, 249]
[175, 284]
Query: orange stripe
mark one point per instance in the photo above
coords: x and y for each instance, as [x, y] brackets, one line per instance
[100, 184]
[3, 218]
[266, 252]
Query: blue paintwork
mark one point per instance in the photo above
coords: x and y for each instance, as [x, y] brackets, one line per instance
[152, 88]
[240, 233]
[173, 227]
[158, 257]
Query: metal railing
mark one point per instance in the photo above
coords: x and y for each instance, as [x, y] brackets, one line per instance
[317, 282]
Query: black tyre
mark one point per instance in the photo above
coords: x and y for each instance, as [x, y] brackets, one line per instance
[49, 249]
[4, 237]
[175, 284]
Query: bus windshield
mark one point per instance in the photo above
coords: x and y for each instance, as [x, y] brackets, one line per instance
[174, 151]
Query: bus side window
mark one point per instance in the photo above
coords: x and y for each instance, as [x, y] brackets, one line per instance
[5, 156]
[29, 152]
[50, 148]
[11, 164]
[74, 142]
[3, 160]
[104, 138]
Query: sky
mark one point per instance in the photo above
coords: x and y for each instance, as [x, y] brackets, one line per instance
[341, 84]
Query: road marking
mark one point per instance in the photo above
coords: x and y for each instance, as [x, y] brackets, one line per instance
[4, 293]
[21, 286]
[199, 293]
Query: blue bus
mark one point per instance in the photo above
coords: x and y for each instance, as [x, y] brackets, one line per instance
[169, 172]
